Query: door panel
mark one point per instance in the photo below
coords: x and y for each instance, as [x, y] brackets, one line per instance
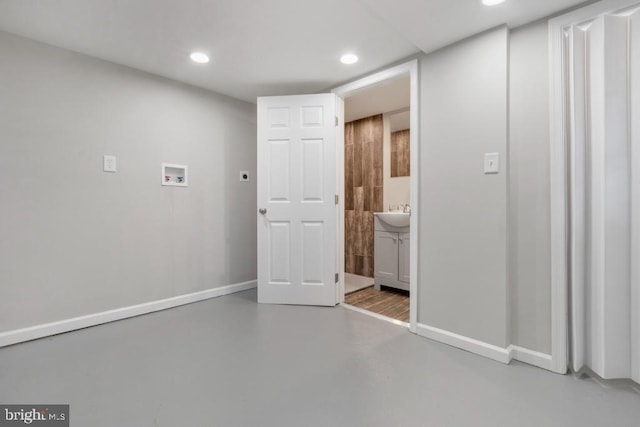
[279, 165]
[312, 170]
[297, 221]
[312, 256]
[279, 248]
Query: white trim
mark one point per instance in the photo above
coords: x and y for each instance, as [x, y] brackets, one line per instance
[635, 222]
[352, 88]
[359, 85]
[530, 357]
[490, 351]
[465, 343]
[414, 162]
[559, 285]
[558, 173]
[376, 315]
[68, 325]
[340, 192]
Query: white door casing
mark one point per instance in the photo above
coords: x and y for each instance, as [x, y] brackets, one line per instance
[409, 68]
[297, 221]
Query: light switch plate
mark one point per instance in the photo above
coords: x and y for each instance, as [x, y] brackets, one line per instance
[109, 163]
[491, 163]
[244, 176]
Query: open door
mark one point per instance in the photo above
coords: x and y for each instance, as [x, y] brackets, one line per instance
[297, 203]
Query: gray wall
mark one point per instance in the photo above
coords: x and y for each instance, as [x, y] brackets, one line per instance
[463, 212]
[485, 240]
[529, 187]
[75, 240]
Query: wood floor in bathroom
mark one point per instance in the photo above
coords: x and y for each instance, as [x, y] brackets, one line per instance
[387, 302]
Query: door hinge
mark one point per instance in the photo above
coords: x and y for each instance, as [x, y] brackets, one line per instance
[337, 199]
[337, 121]
[337, 277]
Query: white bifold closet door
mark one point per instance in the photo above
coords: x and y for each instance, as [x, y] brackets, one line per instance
[603, 74]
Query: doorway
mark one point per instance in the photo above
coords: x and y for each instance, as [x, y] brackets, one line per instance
[380, 132]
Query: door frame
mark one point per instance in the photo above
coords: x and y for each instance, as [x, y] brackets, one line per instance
[562, 230]
[409, 68]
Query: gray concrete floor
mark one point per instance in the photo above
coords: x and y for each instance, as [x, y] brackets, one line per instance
[232, 362]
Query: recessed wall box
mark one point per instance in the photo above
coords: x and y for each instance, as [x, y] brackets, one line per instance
[175, 175]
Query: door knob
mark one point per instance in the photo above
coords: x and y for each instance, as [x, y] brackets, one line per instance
[262, 211]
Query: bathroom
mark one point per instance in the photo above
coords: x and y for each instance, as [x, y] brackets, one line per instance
[377, 199]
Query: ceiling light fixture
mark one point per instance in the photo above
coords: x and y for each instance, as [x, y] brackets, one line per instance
[492, 2]
[349, 59]
[199, 57]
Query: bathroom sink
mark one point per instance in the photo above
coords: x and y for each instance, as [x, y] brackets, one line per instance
[394, 219]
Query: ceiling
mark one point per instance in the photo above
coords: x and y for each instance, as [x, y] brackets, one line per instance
[432, 24]
[388, 96]
[400, 121]
[261, 47]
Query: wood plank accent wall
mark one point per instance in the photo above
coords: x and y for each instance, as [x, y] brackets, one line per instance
[363, 191]
[400, 157]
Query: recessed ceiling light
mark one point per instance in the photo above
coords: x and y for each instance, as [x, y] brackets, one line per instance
[492, 2]
[349, 59]
[199, 57]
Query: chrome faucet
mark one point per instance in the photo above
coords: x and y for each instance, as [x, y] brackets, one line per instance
[407, 208]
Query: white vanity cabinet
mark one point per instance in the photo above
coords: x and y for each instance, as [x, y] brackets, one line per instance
[404, 255]
[385, 256]
[391, 256]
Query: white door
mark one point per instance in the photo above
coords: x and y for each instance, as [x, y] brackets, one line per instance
[603, 76]
[297, 184]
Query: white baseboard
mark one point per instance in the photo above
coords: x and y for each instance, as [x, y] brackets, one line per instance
[530, 357]
[465, 343]
[54, 328]
[503, 355]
